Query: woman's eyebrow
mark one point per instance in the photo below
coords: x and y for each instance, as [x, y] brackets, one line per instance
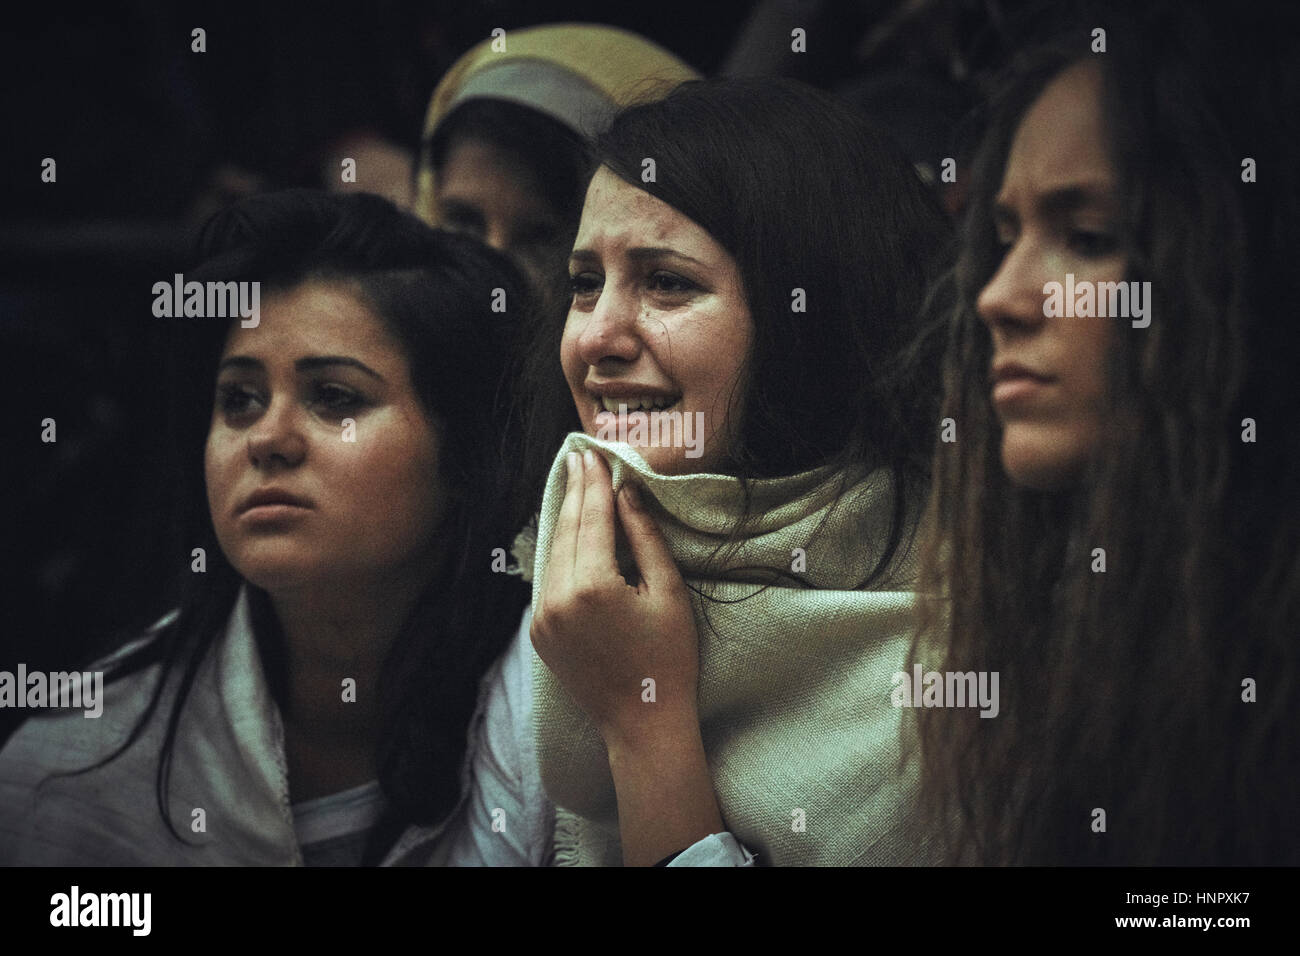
[240, 362]
[308, 364]
[637, 254]
[1059, 200]
[1073, 198]
[641, 253]
[311, 363]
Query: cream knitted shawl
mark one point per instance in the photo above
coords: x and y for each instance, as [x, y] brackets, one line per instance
[802, 740]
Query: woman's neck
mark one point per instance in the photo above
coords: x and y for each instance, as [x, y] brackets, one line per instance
[336, 639]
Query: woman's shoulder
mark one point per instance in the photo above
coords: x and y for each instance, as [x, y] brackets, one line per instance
[47, 784]
[73, 792]
[74, 709]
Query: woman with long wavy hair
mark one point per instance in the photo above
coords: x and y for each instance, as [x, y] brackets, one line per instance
[1113, 526]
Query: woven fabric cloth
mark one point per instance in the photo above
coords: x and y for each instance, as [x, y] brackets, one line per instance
[803, 742]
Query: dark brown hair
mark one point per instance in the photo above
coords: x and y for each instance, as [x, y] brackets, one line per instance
[804, 193]
[433, 291]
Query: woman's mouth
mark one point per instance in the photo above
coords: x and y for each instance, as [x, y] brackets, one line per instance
[619, 412]
[1014, 383]
[272, 505]
[273, 513]
[646, 403]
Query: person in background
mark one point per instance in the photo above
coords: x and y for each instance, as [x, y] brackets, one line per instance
[505, 146]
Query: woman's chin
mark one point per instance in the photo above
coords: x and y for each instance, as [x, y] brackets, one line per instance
[1042, 459]
[283, 575]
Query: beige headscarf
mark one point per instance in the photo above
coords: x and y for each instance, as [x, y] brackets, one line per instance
[577, 73]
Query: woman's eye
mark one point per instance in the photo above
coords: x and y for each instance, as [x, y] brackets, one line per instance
[585, 283]
[667, 282]
[1093, 244]
[335, 397]
[458, 217]
[235, 399]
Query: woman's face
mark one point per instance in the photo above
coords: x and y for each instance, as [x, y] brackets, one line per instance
[487, 192]
[298, 498]
[1055, 216]
[658, 321]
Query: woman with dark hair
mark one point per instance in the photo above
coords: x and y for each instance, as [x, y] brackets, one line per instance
[313, 698]
[506, 141]
[1115, 530]
[738, 380]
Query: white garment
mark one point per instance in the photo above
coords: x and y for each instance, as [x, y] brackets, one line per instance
[334, 830]
[229, 763]
[505, 818]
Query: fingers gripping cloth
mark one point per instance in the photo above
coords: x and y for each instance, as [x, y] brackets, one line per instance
[803, 742]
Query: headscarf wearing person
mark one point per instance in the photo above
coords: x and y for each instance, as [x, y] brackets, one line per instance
[579, 74]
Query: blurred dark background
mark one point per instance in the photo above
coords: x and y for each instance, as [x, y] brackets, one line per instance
[150, 138]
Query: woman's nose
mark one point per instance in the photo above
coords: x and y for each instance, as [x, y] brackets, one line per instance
[611, 331]
[1015, 292]
[276, 436]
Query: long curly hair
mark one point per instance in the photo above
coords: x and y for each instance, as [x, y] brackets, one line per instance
[1163, 691]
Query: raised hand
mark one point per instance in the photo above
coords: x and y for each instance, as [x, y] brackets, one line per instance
[629, 657]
